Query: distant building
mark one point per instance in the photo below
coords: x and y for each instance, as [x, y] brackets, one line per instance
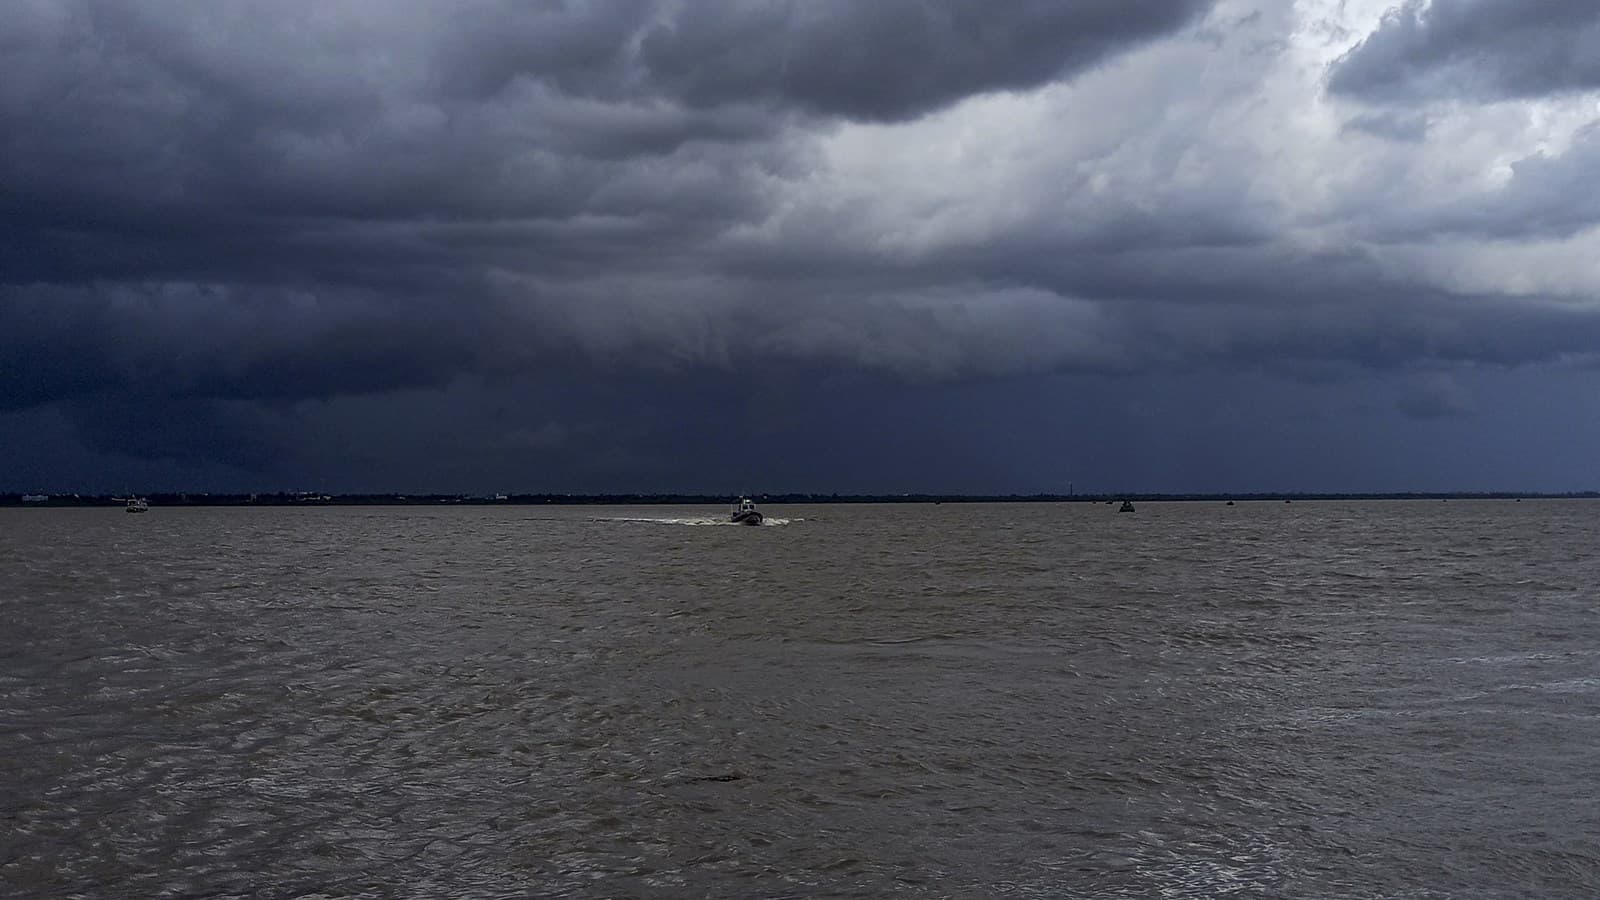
[35, 498]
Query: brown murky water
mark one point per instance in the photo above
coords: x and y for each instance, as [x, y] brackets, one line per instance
[1318, 699]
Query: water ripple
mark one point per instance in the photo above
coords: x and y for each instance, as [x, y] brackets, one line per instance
[1331, 700]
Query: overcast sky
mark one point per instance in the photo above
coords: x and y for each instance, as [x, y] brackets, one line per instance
[819, 245]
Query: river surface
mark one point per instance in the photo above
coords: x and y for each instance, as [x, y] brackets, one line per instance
[1317, 699]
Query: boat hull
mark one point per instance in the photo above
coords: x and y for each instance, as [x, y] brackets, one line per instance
[748, 518]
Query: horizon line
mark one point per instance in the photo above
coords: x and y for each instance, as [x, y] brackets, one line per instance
[403, 498]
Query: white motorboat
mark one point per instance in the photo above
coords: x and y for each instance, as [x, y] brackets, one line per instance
[746, 513]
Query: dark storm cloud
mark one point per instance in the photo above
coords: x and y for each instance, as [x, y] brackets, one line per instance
[1475, 49]
[249, 202]
[488, 229]
[64, 343]
[893, 59]
[885, 61]
[485, 108]
[1435, 396]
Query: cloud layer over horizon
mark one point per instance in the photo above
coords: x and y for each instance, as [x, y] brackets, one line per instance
[251, 245]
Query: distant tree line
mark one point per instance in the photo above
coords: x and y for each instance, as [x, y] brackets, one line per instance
[303, 498]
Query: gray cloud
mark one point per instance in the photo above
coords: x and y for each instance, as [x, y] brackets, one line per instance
[1390, 126]
[242, 201]
[1436, 395]
[1535, 200]
[889, 60]
[243, 238]
[1475, 49]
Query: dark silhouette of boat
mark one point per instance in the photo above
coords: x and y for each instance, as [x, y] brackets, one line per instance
[747, 514]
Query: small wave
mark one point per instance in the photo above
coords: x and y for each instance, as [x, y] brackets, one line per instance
[1530, 656]
[1569, 686]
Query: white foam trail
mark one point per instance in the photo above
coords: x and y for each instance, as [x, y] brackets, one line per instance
[692, 520]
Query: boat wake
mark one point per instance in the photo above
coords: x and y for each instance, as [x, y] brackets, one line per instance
[691, 520]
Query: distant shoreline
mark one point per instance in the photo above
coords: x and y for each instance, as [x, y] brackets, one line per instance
[319, 499]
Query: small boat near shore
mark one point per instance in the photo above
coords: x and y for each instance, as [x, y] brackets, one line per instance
[746, 513]
[134, 504]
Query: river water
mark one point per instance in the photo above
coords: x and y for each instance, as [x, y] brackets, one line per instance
[1329, 699]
